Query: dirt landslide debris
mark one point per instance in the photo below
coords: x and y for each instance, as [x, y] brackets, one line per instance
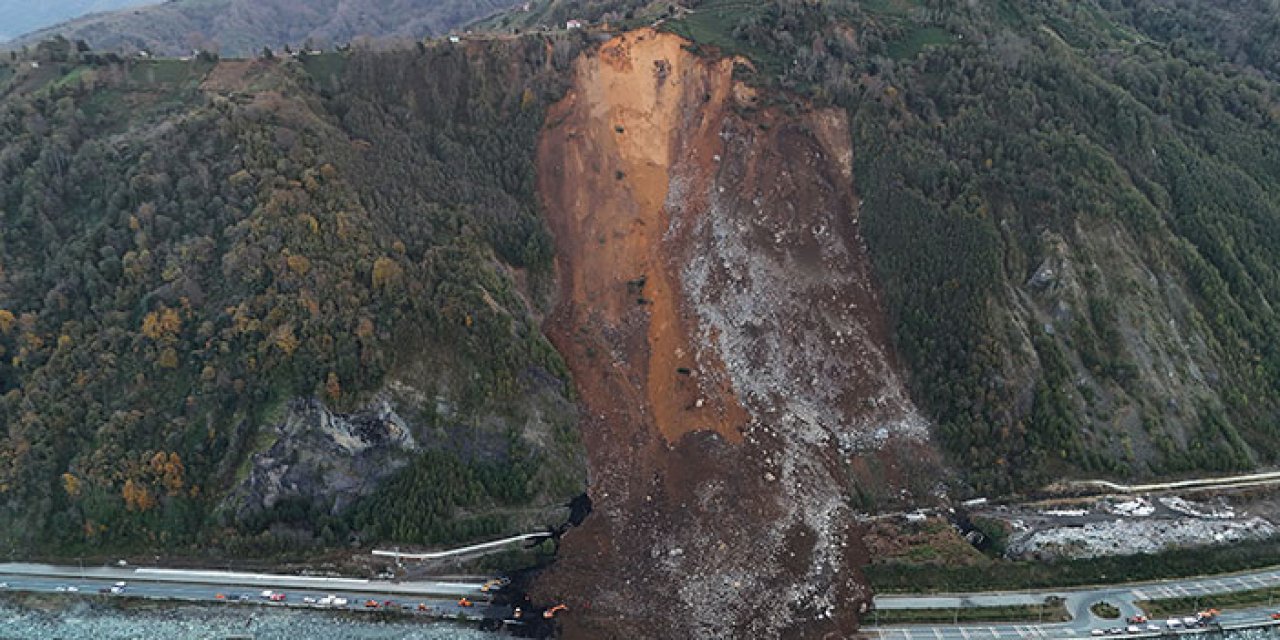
[729, 348]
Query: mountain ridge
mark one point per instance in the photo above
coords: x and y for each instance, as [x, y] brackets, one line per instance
[238, 28]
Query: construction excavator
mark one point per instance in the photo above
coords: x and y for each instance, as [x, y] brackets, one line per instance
[551, 613]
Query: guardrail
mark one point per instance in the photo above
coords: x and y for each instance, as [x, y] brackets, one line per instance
[436, 555]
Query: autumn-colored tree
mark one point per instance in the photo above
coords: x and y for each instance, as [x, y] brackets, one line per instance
[6, 321]
[365, 328]
[71, 484]
[174, 474]
[137, 497]
[385, 272]
[284, 339]
[168, 358]
[299, 265]
[162, 324]
[332, 387]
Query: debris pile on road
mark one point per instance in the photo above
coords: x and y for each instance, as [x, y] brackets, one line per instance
[1124, 537]
[1138, 507]
[1221, 511]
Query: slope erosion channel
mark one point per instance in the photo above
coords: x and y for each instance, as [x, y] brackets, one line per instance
[729, 348]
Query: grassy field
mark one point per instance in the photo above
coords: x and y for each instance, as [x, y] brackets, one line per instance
[327, 68]
[1165, 607]
[1051, 611]
[916, 41]
[713, 25]
[901, 577]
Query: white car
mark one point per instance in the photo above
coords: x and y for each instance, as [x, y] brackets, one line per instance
[308, 600]
[122, 584]
[1133, 628]
[339, 602]
[1153, 627]
[1097, 632]
[73, 589]
[4, 585]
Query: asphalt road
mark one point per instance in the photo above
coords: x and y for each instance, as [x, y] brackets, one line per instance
[1077, 602]
[239, 589]
[259, 580]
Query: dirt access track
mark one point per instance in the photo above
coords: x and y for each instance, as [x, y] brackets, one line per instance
[729, 348]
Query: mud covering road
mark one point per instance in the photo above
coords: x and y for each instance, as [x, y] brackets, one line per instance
[728, 347]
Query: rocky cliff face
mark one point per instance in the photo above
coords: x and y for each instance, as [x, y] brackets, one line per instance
[729, 348]
[321, 456]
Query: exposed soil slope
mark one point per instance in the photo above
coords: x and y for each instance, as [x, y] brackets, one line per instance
[729, 349]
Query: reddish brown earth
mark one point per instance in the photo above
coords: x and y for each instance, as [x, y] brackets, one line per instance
[729, 349]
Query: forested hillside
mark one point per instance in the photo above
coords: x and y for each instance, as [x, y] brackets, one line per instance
[1073, 209]
[187, 247]
[244, 27]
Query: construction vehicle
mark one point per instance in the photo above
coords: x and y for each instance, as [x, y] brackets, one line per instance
[551, 613]
[463, 602]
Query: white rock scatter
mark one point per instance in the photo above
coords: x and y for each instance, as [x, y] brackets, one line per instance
[1131, 536]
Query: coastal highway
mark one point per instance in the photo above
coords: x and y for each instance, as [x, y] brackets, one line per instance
[439, 598]
[1077, 602]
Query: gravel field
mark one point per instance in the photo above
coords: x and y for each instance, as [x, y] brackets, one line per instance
[81, 620]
